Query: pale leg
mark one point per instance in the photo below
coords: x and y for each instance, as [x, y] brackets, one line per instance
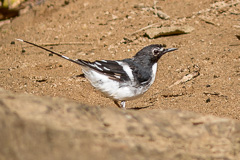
[123, 104]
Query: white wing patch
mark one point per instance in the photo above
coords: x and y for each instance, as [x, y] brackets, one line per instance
[127, 69]
[97, 63]
[95, 66]
[106, 68]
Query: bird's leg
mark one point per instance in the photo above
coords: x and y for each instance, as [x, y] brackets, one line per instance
[116, 102]
[123, 104]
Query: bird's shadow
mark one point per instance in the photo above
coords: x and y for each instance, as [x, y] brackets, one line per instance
[79, 75]
[139, 108]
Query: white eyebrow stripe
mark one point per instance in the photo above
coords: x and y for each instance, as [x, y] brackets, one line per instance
[127, 69]
[104, 61]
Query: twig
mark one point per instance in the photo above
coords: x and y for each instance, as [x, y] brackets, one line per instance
[215, 94]
[66, 43]
[142, 29]
[188, 77]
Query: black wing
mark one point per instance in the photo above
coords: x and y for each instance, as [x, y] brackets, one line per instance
[110, 68]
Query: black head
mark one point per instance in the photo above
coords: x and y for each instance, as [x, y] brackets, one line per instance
[153, 52]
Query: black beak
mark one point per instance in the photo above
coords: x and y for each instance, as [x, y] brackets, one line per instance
[169, 50]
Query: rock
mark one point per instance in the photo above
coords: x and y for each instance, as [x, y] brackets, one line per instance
[238, 36]
[114, 17]
[167, 31]
[162, 15]
[52, 128]
[221, 6]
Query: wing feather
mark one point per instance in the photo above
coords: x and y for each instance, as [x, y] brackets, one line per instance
[110, 68]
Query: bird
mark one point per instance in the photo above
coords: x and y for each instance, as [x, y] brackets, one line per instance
[121, 80]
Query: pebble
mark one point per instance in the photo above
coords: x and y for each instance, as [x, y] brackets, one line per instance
[167, 31]
[238, 36]
[208, 100]
[162, 15]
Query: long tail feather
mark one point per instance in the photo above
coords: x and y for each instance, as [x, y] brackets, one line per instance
[62, 56]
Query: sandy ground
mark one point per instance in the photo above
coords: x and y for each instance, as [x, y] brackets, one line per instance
[51, 128]
[95, 30]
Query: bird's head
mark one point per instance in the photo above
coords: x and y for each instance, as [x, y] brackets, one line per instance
[153, 52]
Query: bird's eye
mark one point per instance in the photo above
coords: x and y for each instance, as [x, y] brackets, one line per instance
[155, 52]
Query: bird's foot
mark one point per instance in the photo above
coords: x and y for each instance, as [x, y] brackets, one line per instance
[121, 105]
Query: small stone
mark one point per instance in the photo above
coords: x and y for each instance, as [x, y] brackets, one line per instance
[167, 31]
[85, 4]
[196, 22]
[208, 85]
[114, 17]
[238, 36]
[106, 13]
[66, 2]
[84, 26]
[162, 15]
[208, 100]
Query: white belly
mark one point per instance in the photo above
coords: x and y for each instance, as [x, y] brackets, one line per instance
[113, 89]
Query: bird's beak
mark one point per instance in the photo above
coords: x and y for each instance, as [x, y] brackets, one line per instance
[169, 50]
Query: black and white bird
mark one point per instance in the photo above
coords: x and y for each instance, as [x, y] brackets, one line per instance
[121, 80]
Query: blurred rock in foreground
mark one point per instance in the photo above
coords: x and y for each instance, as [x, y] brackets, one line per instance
[46, 128]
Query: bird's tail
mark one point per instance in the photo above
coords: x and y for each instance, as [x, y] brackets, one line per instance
[62, 56]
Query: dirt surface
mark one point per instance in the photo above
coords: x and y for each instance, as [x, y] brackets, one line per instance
[95, 30]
